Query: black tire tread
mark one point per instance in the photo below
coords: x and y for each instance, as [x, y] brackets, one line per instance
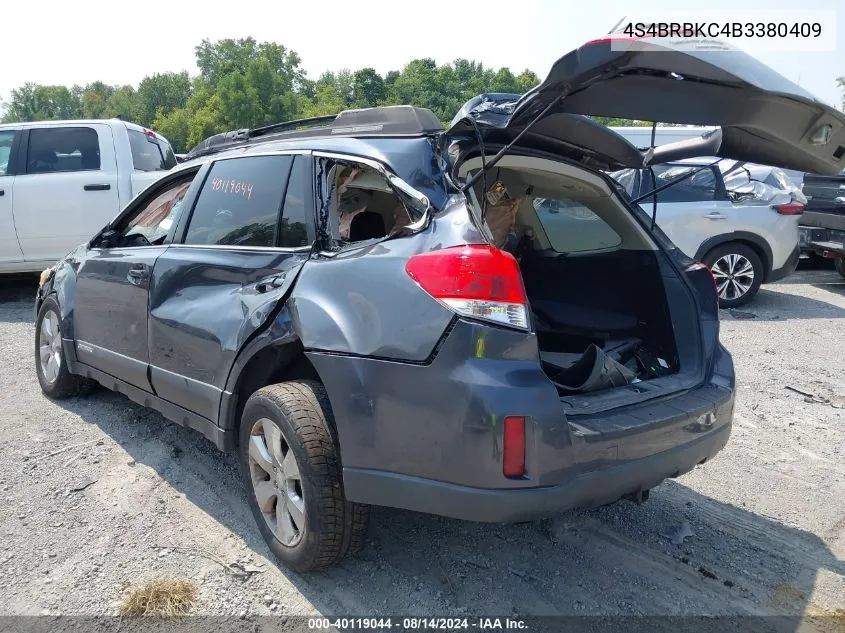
[341, 525]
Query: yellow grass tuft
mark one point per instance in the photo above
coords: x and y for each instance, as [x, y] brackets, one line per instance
[163, 598]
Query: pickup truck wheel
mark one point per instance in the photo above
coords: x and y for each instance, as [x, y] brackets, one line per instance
[738, 272]
[50, 364]
[289, 458]
[839, 265]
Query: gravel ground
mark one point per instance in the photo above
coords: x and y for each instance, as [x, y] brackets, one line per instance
[98, 494]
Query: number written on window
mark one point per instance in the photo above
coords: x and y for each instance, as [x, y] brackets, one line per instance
[240, 202]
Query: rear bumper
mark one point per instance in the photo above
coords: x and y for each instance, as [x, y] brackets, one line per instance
[588, 489]
[429, 437]
[788, 268]
[823, 241]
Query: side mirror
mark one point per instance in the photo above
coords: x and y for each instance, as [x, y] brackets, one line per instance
[107, 239]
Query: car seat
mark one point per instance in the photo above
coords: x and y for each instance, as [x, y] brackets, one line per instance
[366, 225]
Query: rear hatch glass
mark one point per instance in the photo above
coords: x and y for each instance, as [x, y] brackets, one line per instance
[149, 153]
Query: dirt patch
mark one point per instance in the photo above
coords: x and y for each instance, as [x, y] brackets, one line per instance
[98, 492]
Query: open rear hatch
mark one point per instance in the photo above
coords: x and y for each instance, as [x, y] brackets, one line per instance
[764, 117]
[619, 314]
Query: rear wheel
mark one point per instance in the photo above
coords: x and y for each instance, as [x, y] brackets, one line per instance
[839, 264]
[50, 364]
[738, 272]
[290, 461]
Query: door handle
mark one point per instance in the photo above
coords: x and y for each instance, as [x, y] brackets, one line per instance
[104, 187]
[715, 215]
[137, 274]
[268, 284]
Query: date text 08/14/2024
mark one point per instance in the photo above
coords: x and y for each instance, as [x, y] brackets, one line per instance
[417, 623]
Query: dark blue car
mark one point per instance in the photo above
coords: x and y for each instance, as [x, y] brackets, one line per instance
[474, 322]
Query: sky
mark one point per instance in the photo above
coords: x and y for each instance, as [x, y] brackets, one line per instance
[59, 42]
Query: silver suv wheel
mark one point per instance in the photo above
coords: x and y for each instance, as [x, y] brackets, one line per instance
[734, 276]
[50, 347]
[276, 482]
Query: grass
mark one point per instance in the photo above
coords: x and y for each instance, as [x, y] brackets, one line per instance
[163, 598]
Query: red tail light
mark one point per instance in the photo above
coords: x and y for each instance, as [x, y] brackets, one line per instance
[476, 280]
[699, 266]
[513, 453]
[790, 208]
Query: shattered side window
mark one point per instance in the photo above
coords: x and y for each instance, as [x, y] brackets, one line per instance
[357, 204]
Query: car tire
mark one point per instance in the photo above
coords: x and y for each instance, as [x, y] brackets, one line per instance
[289, 453]
[738, 272]
[50, 363]
[839, 265]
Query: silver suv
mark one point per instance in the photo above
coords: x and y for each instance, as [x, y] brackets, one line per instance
[739, 219]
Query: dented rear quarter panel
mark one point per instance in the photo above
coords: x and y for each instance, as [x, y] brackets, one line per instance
[361, 301]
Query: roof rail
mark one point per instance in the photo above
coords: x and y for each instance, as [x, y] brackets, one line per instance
[289, 125]
[366, 122]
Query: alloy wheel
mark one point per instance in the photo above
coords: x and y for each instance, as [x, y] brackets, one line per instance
[734, 276]
[50, 347]
[276, 482]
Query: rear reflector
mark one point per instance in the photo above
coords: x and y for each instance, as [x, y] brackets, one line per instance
[513, 461]
[475, 280]
[790, 208]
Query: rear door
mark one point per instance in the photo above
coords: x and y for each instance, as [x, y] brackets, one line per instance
[764, 117]
[66, 190]
[10, 250]
[692, 210]
[113, 283]
[237, 255]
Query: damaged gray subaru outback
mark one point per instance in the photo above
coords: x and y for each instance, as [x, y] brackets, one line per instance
[475, 322]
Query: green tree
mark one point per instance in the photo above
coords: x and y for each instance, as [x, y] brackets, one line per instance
[161, 92]
[34, 102]
[526, 80]
[368, 88]
[175, 126]
[95, 100]
[205, 111]
[326, 101]
[217, 59]
[122, 104]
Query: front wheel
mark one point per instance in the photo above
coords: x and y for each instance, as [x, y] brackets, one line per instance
[738, 272]
[50, 363]
[289, 459]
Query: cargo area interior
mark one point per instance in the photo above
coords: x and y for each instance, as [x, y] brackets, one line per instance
[596, 290]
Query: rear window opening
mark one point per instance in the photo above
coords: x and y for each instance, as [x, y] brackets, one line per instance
[360, 202]
[595, 287]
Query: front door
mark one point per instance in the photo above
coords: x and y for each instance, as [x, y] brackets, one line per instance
[67, 189]
[113, 284]
[240, 252]
[10, 250]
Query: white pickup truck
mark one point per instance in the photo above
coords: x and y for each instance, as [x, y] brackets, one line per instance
[62, 181]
